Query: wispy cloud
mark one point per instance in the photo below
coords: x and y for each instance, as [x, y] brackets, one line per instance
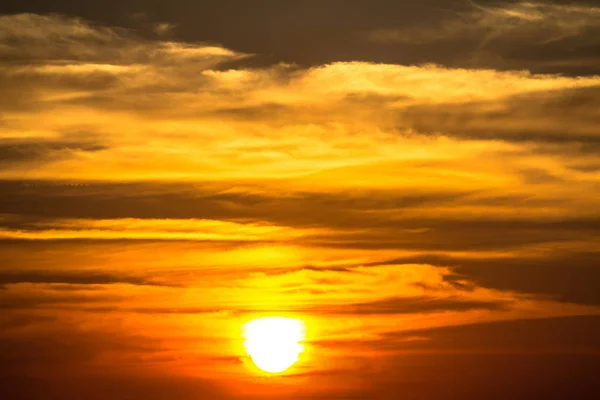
[541, 22]
[502, 33]
[155, 229]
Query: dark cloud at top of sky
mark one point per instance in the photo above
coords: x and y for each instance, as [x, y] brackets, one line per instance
[541, 36]
[556, 39]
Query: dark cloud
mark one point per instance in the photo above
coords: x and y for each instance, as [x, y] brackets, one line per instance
[526, 359]
[15, 153]
[545, 36]
[559, 335]
[17, 321]
[202, 200]
[555, 117]
[566, 277]
[484, 376]
[562, 275]
[453, 32]
[100, 386]
[345, 214]
[413, 305]
[14, 300]
[277, 34]
[11, 277]
[52, 38]
[166, 310]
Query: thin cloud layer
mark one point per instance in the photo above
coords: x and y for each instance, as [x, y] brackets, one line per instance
[513, 34]
[538, 22]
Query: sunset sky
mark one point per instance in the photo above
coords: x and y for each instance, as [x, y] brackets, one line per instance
[416, 183]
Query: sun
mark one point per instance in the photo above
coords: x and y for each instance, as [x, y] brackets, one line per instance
[274, 343]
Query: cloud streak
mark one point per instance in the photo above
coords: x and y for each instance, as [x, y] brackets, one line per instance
[553, 34]
[542, 22]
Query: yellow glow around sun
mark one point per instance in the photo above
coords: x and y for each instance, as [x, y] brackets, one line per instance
[274, 343]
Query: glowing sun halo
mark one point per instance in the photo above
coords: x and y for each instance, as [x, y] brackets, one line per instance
[274, 343]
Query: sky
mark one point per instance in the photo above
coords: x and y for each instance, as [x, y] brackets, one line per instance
[417, 182]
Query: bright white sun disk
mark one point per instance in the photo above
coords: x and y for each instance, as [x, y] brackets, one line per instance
[274, 343]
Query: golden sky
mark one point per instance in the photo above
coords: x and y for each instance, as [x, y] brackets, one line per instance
[434, 224]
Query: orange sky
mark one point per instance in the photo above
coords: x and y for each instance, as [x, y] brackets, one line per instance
[435, 226]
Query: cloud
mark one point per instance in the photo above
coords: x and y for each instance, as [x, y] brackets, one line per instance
[33, 37]
[30, 152]
[509, 34]
[567, 334]
[35, 297]
[148, 229]
[566, 276]
[410, 305]
[11, 277]
[99, 386]
[58, 58]
[419, 219]
[545, 117]
[561, 274]
[163, 28]
[545, 22]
